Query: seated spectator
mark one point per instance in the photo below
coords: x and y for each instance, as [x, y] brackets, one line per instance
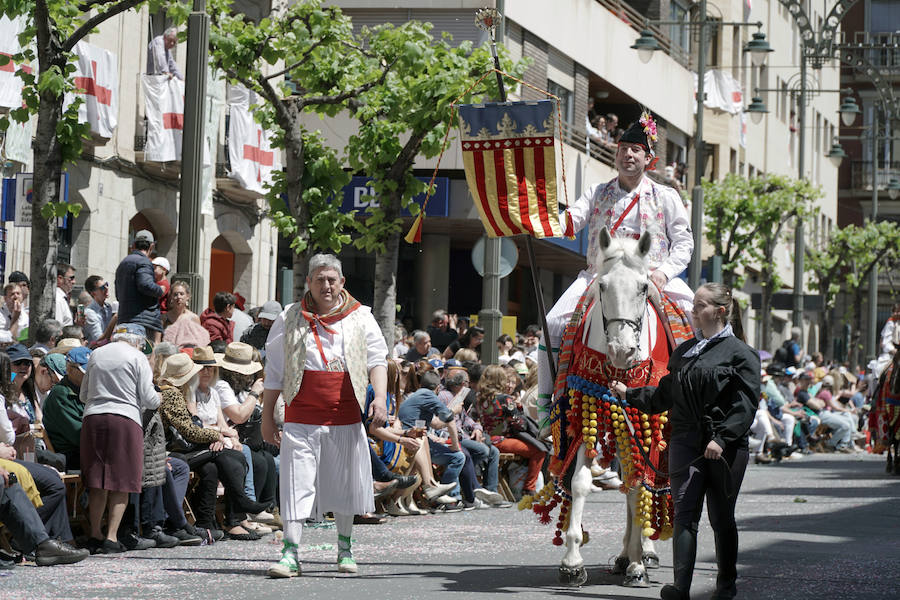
[73, 332]
[500, 416]
[100, 315]
[116, 388]
[807, 408]
[840, 419]
[28, 531]
[22, 404]
[471, 339]
[464, 355]
[204, 451]
[8, 430]
[442, 330]
[421, 347]
[216, 320]
[257, 335]
[401, 343]
[179, 304]
[485, 456]
[423, 405]
[65, 344]
[48, 370]
[24, 285]
[64, 409]
[13, 315]
[46, 333]
[397, 448]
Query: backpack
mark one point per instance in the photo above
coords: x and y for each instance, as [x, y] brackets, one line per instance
[790, 359]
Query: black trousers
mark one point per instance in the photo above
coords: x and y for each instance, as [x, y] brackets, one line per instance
[227, 466]
[265, 478]
[54, 513]
[704, 478]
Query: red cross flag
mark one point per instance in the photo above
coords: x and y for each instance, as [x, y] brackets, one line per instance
[10, 84]
[164, 109]
[252, 158]
[97, 82]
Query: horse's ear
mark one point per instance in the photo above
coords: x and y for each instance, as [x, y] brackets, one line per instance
[605, 239]
[643, 243]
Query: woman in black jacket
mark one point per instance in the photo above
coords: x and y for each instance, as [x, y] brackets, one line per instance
[711, 392]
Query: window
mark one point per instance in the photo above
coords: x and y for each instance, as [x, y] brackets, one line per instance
[680, 34]
[566, 101]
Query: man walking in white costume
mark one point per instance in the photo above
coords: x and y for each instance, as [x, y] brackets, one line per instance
[321, 354]
[627, 206]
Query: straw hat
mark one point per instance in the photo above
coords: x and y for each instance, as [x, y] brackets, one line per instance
[179, 368]
[64, 345]
[204, 356]
[238, 357]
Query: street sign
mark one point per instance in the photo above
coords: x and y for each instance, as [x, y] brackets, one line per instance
[785, 301]
[23, 199]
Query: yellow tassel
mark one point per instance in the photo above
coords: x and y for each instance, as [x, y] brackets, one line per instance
[414, 236]
[526, 503]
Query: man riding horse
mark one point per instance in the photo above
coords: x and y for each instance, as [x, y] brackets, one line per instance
[628, 205]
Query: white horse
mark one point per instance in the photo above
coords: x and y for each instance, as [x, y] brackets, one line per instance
[623, 327]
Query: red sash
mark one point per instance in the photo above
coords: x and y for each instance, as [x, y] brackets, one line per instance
[628, 210]
[325, 398]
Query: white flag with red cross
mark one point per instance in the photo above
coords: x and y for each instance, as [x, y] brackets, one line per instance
[164, 109]
[97, 83]
[10, 84]
[252, 157]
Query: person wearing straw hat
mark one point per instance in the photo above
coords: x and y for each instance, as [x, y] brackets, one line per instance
[628, 205]
[321, 354]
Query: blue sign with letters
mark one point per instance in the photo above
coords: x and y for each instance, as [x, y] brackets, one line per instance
[359, 197]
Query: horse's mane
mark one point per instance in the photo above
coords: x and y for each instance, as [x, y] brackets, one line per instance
[621, 250]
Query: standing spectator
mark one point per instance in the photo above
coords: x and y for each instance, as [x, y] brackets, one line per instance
[256, 336]
[217, 320]
[116, 388]
[64, 409]
[242, 321]
[793, 353]
[65, 281]
[179, 304]
[161, 269]
[13, 314]
[421, 347]
[442, 330]
[25, 285]
[613, 132]
[136, 288]
[159, 55]
[45, 335]
[471, 339]
[100, 315]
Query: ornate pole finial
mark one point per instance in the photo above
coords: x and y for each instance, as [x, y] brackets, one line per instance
[487, 19]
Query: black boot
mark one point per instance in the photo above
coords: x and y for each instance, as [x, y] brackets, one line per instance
[726, 557]
[684, 554]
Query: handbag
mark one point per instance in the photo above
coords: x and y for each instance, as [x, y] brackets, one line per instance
[250, 431]
[175, 442]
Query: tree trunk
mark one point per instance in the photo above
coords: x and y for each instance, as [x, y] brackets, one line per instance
[293, 170]
[765, 317]
[855, 338]
[826, 347]
[385, 302]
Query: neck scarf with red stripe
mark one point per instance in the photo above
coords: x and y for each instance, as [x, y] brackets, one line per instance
[346, 306]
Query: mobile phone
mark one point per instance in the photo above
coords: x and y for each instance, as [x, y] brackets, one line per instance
[79, 311]
[13, 480]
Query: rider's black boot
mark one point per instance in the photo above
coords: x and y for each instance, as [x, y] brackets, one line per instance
[684, 554]
[726, 557]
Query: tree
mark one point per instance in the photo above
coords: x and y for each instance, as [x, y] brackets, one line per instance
[55, 26]
[747, 221]
[827, 266]
[406, 117]
[313, 49]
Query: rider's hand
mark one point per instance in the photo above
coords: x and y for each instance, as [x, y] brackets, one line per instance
[618, 389]
[659, 279]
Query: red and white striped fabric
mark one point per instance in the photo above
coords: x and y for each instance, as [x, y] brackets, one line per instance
[10, 84]
[164, 109]
[251, 155]
[97, 83]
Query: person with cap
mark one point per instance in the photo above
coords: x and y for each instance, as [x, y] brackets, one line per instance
[23, 403]
[322, 353]
[24, 285]
[100, 315]
[629, 205]
[116, 388]
[161, 269]
[63, 408]
[136, 288]
[257, 335]
[203, 449]
[65, 281]
[13, 315]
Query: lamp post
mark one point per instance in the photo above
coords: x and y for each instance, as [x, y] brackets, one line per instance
[759, 50]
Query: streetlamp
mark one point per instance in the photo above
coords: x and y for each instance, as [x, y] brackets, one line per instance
[759, 50]
[836, 154]
[893, 188]
[849, 110]
[757, 109]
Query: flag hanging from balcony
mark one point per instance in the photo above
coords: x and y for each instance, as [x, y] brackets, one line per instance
[10, 84]
[251, 156]
[164, 109]
[509, 155]
[96, 80]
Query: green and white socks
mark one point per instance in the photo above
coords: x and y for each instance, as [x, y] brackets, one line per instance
[345, 560]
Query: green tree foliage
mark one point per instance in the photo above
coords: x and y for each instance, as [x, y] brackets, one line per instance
[747, 219]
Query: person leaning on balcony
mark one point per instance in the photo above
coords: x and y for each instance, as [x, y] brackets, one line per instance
[159, 55]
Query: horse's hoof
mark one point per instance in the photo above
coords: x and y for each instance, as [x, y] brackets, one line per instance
[639, 580]
[621, 565]
[650, 560]
[573, 576]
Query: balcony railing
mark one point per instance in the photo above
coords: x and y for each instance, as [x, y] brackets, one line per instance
[578, 138]
[631, 16]
[861, 174]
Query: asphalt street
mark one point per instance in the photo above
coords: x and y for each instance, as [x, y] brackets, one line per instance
[826, 526]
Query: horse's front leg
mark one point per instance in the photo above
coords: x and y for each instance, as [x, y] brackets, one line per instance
[635, 574]
[648, 553]
[572, 571]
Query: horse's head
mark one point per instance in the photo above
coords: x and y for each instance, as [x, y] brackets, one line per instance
[621, 286]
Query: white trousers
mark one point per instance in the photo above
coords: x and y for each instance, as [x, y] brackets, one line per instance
[325, 468]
